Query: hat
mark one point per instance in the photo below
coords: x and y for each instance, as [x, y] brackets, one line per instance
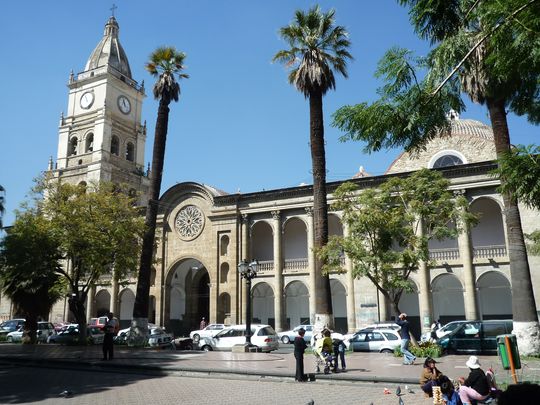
[473, 362]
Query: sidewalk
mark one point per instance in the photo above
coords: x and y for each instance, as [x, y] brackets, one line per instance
[370, 367]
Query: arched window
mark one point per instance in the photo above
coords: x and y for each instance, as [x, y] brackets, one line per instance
[446, 158]
[73, 146]
[224, 245]
[115, 145]
[89, 142]
[130, 152]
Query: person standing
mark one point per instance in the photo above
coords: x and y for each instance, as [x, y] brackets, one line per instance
[408, 357]
[203, 324]
[299, 349]
[339, 353]
[111, 326]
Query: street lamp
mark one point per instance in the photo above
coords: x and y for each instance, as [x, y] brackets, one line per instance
[249, 272]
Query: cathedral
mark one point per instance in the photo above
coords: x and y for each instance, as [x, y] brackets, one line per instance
[204, 233]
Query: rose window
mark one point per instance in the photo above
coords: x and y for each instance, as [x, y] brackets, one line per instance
[189, 222]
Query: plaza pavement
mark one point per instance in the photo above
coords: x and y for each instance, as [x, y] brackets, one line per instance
[361, 367]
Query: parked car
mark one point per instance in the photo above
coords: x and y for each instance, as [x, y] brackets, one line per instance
[476, 337]
[211, 330]
[71, 335]
[377, 325]
[445, 330]
[263, 336]
[376, 340]
[159, 338]
[289, 335]
[98, 322]
[11, 325]
[123, 334]
[44, 330]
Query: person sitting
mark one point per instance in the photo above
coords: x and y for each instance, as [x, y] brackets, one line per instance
[430, 376]
[450, 396]
[476, 386]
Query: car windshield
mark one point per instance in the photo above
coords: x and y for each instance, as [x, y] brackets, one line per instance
[266, 331]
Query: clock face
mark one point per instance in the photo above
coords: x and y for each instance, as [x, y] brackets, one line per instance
[87, 99]
[124, 104]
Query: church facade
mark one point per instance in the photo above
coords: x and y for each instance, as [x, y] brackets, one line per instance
[204, 233]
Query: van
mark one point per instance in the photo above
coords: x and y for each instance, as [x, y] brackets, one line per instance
[475, 337]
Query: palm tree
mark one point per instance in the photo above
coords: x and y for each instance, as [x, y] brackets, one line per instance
[317, 48]
[165, 63]
[2, 208]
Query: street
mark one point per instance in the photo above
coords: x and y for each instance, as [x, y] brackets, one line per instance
[44, 386]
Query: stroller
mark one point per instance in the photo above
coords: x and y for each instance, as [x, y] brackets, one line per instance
[324, 359]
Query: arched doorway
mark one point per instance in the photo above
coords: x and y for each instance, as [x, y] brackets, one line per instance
[339, 306]
[494, 296]
[103, 303]
[448, 302]
[187, 297]
[127, 301]
[408, 303]
[263, 304]
[296, 304]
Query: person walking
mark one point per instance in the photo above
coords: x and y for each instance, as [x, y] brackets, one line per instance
[203, 324]
[110, 328]
[408, 357]
[300, 346]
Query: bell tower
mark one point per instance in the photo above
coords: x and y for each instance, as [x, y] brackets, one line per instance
[101, 137]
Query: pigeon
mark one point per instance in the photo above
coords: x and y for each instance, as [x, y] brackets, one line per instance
[411, 391]
[66, 394]
[312, 402]
[400, 402]
[398, 391]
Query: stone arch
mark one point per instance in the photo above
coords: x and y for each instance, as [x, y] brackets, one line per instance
[89, 143]
[224, 245]
[339, 305]
[224, 272]
[130, 151]
[153, 277]
[187, 296]
[335, 227]
[115, 145]
[490, 228]
[494, 296]
[126, 300]
[409, 304]
[72, 147]
[262, 242]
[296, 304]
[103, 302]
[224, 309]
[262, 296]
[447, 295]
[446, 158]
[295, 243]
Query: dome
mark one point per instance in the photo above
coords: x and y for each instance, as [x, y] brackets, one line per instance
[109, 51]
[469, 127]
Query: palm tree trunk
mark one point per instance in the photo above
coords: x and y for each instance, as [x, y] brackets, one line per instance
[323, 298]
[526, 325]
[142, 298]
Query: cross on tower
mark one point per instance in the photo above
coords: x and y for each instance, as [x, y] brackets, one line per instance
[113, 8]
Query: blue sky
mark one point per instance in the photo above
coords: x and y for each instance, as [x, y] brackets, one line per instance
[238, 125]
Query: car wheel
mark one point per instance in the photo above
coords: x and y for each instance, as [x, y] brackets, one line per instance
[9, 339]
[387, 351]
[207, 348]
[196, 338]
[285, 339]
[188, 346]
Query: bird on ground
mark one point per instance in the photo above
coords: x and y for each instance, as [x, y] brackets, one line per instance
[398, 391]
[66, 394]
[400, 402]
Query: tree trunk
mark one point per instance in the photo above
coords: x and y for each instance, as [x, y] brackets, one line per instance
[142, 298]
[526, 326]
[323, 298]
[77, 305]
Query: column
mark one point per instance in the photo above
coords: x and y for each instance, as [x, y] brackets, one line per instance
[311, 265]
[351, 307]
[115, 307]
[469, 275]
[424, 281]
[244, 254]
[278, 272]
[91, 299]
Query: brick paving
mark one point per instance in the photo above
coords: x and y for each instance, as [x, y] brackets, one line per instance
[138, 375]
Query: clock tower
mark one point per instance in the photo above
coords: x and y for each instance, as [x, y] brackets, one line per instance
[101, 137]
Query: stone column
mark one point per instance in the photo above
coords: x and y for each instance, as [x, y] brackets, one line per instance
[244, 254]
[91, 300]
[312, 287]
[278, 272]
[424, 281]
[469, 274]
[351, 307]
[115, 307]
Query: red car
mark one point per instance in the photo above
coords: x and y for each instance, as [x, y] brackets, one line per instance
[98, 322]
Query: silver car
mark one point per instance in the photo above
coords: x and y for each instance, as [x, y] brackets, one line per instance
[44, 330]
[289, 335]
[262, 336]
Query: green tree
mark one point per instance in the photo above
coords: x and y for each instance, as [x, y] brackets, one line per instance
[29, 269]
[492, 51]
[165, 63]
[318, 47]
[99, 230]
[2, 207]
[384, 243]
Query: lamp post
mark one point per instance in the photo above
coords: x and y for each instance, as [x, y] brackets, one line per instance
[249, 272]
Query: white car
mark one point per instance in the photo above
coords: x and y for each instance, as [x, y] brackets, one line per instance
[445, 330]
[376, 340]
[211, 330]
[44, 330]
[159, 338]
[262, 336]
